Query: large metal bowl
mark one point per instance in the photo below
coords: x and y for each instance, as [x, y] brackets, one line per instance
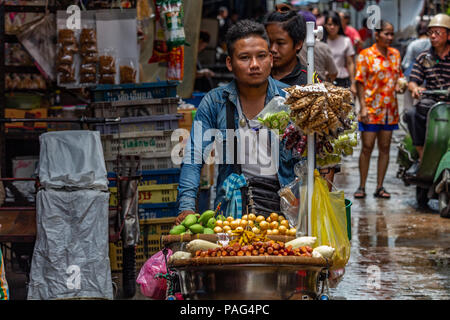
[249, 282]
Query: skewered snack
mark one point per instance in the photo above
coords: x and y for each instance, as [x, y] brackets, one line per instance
[319, 108]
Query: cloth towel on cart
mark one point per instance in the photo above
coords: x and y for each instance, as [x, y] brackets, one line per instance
[232, 186]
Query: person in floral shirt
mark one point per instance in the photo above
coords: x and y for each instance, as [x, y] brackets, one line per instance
[378, 70]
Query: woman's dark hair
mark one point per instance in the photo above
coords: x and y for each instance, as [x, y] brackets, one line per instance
[422, 28]
[291, 22]
[336, 19]
[383, 24]
[244, 29]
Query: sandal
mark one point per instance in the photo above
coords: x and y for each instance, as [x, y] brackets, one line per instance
[382, 193]
[360, 193]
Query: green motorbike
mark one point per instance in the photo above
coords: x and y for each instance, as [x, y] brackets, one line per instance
[432, 177]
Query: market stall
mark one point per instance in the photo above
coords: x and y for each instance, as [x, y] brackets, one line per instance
[92, 78]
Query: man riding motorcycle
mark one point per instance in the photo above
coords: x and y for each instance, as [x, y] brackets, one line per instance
[432, 67]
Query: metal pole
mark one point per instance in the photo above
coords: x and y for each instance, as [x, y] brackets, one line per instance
[310, 39]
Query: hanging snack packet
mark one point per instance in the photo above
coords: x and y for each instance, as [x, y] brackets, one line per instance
[88, 49]
[127, 70]
[160, 49]
[172, 14]
[107, 67]
[175, 69]
[67, 61]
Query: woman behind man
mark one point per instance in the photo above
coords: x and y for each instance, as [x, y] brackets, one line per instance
[287, 32]
[378, 70]
[342, 49]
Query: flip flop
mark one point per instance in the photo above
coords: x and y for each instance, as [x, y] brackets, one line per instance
[360, 193]
[382, 193]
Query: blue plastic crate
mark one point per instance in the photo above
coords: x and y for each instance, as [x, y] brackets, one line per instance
[134, 91]
[196, 98]
[164, 176]
[157, 210]
[164, 122]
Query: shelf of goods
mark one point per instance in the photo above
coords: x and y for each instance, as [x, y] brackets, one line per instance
[148, 117]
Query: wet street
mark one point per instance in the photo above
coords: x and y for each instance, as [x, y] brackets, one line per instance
[398, 251]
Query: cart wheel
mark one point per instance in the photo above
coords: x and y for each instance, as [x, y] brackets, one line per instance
[129, 272]
[444, 207]
[422, 197]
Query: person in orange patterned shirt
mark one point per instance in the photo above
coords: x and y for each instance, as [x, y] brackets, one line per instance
[378, 70]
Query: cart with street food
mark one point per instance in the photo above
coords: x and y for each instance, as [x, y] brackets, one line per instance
[277, 256]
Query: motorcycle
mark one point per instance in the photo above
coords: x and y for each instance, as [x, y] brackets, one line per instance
[432, 178]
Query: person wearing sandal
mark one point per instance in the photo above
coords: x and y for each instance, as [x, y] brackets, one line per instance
[378, 70]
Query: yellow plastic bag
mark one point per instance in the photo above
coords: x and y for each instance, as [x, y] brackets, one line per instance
[329, 221]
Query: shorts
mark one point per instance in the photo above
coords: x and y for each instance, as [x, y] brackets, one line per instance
[377, 127]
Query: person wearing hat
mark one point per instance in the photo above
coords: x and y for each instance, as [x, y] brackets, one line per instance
[431, 71]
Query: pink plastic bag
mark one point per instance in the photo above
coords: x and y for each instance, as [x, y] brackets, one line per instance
[151, 287]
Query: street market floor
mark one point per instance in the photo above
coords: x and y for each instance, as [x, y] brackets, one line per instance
[398, 251]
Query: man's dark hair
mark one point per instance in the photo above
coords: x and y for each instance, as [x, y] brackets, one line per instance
[291, 22]
[244, 29]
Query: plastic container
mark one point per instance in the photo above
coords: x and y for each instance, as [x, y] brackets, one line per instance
[157, 210]
[149, 244]
[158, 193]
[165, 176]
[138, 108]
[141, 124]
[196, 98]
[187, 118]
[137, 143]
[154, 162]
[134, 91]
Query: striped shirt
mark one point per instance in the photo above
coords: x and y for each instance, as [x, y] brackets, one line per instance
[432, 70]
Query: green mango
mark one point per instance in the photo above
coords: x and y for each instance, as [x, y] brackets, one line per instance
[188, 231]
[189, 220]
[211, 223]
[177, 230]
[208, 214]
[196, 228]
[197, 215]
[221, 217]
[208, 231]
[182, 234]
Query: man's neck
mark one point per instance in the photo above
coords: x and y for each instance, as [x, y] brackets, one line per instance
[252, 98]
[442, 51]
[281, 72]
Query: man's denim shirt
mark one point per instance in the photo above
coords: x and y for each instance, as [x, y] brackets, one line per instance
[211, 114]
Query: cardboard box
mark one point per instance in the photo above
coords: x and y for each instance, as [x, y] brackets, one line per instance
[26, 114]
[188, 118]
[24, 167]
